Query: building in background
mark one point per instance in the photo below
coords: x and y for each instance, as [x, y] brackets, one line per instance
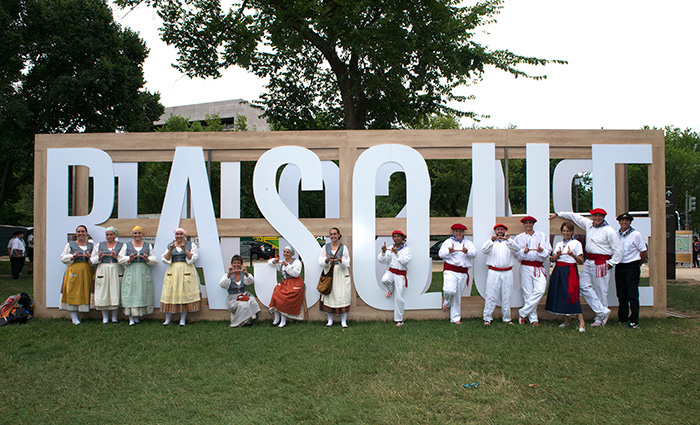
[227, 110]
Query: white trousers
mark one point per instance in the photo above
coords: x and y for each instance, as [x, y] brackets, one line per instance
[533, 289]
[453, 286]
[396, 285]
[594, 289]
[498, 283]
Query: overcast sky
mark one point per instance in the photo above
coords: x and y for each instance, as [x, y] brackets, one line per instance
[631, 63]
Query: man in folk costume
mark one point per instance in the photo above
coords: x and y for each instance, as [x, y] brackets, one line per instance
[603, 252]
[395, 280]
[457, 253]
[634, 254]
[534, 250]
[501, 251]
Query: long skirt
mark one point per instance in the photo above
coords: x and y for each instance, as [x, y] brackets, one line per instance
[288, 298]
[338, 301]
[241, 311]
[108, 278]
[558, 294]
[75, 291]
[137, 290]
[180, 289]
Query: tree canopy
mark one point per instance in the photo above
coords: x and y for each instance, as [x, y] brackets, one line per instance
[65, 66]
[341, 64]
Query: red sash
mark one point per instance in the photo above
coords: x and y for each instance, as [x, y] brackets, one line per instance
[498, 269]
[400, 273]
[539, 267]
[601, 267]
[574, 286]
[451, 267]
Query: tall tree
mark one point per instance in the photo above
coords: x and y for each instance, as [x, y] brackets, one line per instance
[65, 66]
[341, 63]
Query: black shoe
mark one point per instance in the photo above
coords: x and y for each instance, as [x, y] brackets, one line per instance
[633, 325]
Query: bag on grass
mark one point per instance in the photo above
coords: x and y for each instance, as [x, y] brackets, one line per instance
[18, 308]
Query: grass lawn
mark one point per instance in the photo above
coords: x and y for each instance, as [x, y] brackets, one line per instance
[372, 372]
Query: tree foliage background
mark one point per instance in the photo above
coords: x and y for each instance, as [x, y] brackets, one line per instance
[342, 63]
[65, 66]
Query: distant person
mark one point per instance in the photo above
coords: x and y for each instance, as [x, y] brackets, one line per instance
[108, 275]
[634, 254]
[137, 257]
[181, 284]
[603, 252]
[500, 252]
[534, 250]
[30, 250]
[337, 303]
[17, 252]
[457, 253]
[287, 300]
[77, 281]
[242, 304]
[563, 295]
[395, 279]
[696, 252]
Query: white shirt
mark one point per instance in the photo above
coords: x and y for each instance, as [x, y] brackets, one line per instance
[398, 261]
[458, 258]
[193, 250]
[500, 253]
[632, 246]
[564, 247]
[599, 240]
[16, 244]
[532, 242]
[293, 269]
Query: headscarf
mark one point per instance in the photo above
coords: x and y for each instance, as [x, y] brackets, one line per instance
[112, 229]
[290, 249]
[180, 229]
[137, 227]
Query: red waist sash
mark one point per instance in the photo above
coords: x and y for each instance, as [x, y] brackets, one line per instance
[574, 286]
[400, 273]
[600, 260]
[499, 269]
[451, 267]
[539, 267]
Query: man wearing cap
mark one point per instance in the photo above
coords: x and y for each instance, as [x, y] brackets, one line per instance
[395, 280]
[501, 252]
[457, 253]
[534, 250]
[603, 252]
[634, 253]
[16, 250]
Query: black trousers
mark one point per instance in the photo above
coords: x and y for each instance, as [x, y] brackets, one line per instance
[16, 265]
[627, 283]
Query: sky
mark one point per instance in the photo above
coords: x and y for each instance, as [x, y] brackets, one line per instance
[630, 64]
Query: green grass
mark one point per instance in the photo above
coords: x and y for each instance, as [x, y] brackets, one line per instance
[372, 372]
[683, 296]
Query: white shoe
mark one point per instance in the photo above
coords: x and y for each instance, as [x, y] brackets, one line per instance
[580, 329]
[563, 325]
[606, 316]
[597, 323]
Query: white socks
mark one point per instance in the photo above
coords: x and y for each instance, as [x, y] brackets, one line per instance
[74, 317]
[183, 318]
[114, 316]
[330, 319]
[105, 316]
[283, 321]
[277, 318]
[168, 318]
[344, 320]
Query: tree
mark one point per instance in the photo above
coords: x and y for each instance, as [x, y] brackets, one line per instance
[333, 64]
[65, 66]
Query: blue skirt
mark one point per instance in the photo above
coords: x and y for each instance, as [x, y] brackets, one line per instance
[558, 294]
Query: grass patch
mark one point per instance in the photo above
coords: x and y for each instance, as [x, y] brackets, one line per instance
[683, 296]
[372, 372]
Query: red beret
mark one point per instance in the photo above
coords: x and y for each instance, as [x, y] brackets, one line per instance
[458, 226]
[598, 211]
[398, 232]
[528, 218]
[500, 225]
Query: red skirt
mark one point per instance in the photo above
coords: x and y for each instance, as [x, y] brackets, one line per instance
[288, 296]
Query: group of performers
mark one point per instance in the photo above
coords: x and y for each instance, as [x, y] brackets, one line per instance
[123, 275]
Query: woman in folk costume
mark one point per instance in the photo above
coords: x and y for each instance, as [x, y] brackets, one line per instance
[137, 284]
[338, 301]
[242, 304]
[108, 275]
[288, 296]
[563, 294]
[75, 291]
[181, 284]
